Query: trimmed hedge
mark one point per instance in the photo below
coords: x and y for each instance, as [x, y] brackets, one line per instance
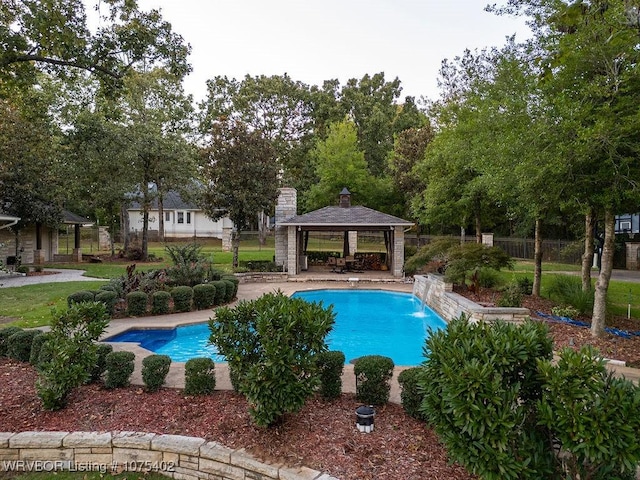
[19, 344]
[102, 350]
[373, 375]
[236, 282]
[199, 376]
[221, 291]
[119, 369]
[330, 364]
[36, 347]
[80, 296]
[182, 297]
[411, 394]
[137, 303]
[109, 299]
[5, 333]
[229, 289]
[160, 302]
[154, 371]
[204, 296]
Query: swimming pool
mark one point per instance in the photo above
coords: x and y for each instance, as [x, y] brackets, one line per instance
[368, 322]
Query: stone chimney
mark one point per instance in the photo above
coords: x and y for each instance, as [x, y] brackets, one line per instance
[345, 198]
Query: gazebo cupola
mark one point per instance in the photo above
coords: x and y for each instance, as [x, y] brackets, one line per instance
[345, 198]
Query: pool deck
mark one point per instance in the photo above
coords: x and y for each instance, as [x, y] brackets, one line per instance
[250, 291]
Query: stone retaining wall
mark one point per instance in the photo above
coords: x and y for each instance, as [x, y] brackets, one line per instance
[439, 296]
[262, 277]
[179, 457]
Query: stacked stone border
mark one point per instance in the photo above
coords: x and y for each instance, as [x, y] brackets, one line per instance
[176, 456]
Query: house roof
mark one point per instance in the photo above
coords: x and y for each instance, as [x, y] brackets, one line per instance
[171, 201]
[70, 218]
[356, 218]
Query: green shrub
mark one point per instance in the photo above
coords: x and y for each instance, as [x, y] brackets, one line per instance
[36, 347]
[120, 366]
[567, 290]
[271, 344]
[80, 296]
[434, 253]
[330, 364]
[71, 351]
[466, 261]
[160, 302]
[511, 296]
[46, 354]
[236, 283]
[19, 344]
[221, 291]
[229, 289]
[235, 377]
[199, 376]
[137, 304]
[566, 311]
[38, 268]
[488, 277]
[22, 269]
[100, 366]
[525, 284]
[204, 296]
[481, 385]
[182, 297]
[373, 375]
[184, 254]
[5, 333]
[411, 394]
[592, 416]
[109, 299]
[154, 371]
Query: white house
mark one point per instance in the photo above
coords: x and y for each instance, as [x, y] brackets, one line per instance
[181, 220]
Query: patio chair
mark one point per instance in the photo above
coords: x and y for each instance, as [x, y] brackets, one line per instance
[341, 265]
[331, 262]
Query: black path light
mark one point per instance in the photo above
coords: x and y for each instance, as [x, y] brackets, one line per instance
[364, 418]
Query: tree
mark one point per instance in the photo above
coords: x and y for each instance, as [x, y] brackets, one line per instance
[240, 173]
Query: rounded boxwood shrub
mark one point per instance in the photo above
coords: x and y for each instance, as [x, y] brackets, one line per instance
[119, 369]
[137, 303]
[236, 282]
[102, 350]
[330, 364]
[80, 296]
[46, 353]
[221, 291]
[5, 333]
[108, 298]
[19, 344]
[199, 376]
[160, 302]
[229, 289]
[204, 296]
[154, 371]
[411, 394]
[182, 297]
[36, 347]
[373, 375]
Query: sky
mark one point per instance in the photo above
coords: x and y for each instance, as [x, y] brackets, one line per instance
[317, 40]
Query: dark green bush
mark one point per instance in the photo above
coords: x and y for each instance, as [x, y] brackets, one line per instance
[373, 376]
[204, 296]
[5, 333]
[38, 268]
[160, 302]
[481, 384]
[330, 364]
[182, 297]
[36, 346]
[120, 366]
[184, 254]
[466, 261]
[137, 304]
[80, 296]
[271, 344]
[567, 290]
[525, 284]
[154, 371]
[22, 269]
[236, 282]
[511, 296]
[19, 344]
[221, 291]
[70, 354]
[488, 277]
[411, 394]
[229, 289]
[199, 376]
[102, 350]
[235, 377]
[434, 253]
[109, 299]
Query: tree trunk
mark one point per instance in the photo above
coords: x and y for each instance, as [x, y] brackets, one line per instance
[124, 216]
[160, 215]
[589, 249]
[146, 205]
[262, 229]
[478, 228]
[235, 245]
[598, 319]
[537, 258]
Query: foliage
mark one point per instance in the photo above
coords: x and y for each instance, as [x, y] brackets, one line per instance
[434, 254]
[120, 366]
[204, 296]
[22, 269]
[154, 371]
[488, 278]
[73, 351]
[137, 304]
[184, 254]
[411, 395]
[81, 296]
[191, 274]
[221, 291]
[480, 387]
[260, 266]
[271, 345]
[330, 365]
[229, 291]
[511, 296]
[567, 290]
[236, 283]
[373, 375]
[5, 333]
[525, 285]
[36, 346]
[19, 344]
[109, 299]
[567, 312]
[102, 350]
[466, 261]
[592, 415]
[160, 303]
[182, 297]
[199, 376]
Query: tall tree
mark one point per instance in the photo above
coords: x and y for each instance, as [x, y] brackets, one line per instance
[240, 173]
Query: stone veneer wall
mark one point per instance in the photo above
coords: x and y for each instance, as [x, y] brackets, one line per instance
[439, 295]
[179, 457]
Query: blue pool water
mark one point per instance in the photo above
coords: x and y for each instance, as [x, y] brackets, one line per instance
[368, 322]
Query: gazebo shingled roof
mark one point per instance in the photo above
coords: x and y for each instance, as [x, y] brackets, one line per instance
[355, 217]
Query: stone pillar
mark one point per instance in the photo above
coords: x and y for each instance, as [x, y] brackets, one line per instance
[633, 256]
[292, 251]
[104, 239]
[76, 256]
[226, 239]
[38, 257]
[487, 239]
[353, 242]
[286, 208]
[398, 252]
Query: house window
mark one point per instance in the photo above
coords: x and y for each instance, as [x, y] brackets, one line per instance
[188, 217]
[167, 216]
[180, 217]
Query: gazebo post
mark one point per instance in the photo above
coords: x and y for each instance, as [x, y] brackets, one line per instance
[77, 249]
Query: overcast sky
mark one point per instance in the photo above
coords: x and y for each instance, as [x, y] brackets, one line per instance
[316, 40]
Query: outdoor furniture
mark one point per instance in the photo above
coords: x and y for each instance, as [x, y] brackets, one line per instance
[331, 262]
[341, 265]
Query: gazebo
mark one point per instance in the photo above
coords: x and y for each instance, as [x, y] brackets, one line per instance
[292, 230]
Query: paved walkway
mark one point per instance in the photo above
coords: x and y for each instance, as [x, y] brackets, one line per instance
[57, 275]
